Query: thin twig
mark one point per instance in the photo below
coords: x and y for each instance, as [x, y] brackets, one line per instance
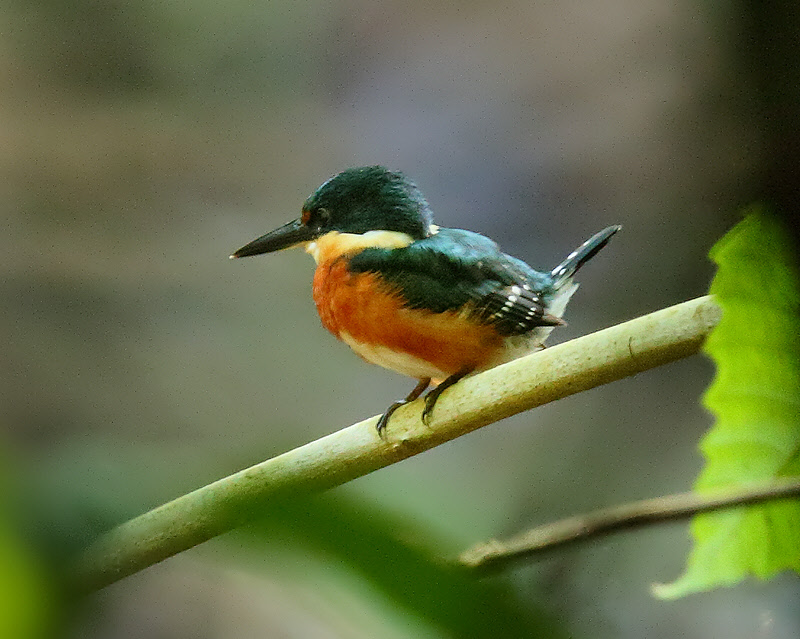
[556, 372]
[530, 544]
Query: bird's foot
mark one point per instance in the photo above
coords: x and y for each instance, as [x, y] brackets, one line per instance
[430, 402]
[433, 396]
[414, 394]
[384, 419]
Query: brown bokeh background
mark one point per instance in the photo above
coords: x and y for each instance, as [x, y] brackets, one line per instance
[142, 142]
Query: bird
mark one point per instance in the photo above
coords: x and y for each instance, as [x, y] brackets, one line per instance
[433, 303]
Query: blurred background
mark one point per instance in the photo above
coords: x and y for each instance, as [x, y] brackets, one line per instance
[141, 143]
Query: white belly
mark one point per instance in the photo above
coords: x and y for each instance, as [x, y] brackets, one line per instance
[402, 363]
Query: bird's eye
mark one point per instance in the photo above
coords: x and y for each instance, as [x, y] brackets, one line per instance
[315, 218]
[322, 217]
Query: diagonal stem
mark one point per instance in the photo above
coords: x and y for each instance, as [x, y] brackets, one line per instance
[530, 544]
[562, 370]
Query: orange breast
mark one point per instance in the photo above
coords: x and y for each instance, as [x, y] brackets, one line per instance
[369, 313]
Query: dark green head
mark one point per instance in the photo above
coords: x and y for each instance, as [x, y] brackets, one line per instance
[357, 200]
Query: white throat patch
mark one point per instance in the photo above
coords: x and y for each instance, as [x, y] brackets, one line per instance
[333, 244]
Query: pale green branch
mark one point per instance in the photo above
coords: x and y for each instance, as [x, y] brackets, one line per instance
[556, 372]
[530, 544]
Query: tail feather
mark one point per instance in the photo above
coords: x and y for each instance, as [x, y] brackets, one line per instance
[581, 255]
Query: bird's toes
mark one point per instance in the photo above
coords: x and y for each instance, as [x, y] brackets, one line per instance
[383, 421]
[427, 412]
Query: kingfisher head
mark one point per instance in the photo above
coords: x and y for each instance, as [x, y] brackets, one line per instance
[357, 201]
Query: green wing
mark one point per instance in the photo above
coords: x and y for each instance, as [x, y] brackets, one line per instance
[453, 269]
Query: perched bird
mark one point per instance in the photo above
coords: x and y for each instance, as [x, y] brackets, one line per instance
[432, 303]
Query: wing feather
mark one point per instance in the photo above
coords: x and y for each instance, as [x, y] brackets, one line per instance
[460, 270]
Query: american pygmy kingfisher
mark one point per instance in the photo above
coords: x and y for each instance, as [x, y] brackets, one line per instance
[432, 303]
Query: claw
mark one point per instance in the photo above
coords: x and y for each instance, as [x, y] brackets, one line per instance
[384, 419]
[414, 394]
[427, 412]
[433, 396]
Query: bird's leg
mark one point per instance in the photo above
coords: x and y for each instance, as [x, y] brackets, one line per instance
[414, 394]
[432, 397]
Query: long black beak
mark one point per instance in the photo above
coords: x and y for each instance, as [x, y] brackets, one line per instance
[287, 236]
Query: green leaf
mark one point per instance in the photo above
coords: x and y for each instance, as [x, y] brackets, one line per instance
[24, 608]
[423, 592]
[26, 602]
[756, 400]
